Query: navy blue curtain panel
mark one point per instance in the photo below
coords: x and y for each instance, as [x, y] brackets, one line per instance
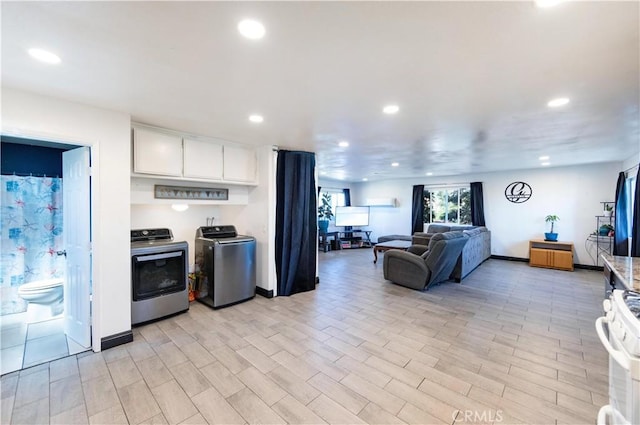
[296, 222]
[635, 229]
[347, 197]
[347, 203]
[621, 235]
[417, 209]
[477, 204]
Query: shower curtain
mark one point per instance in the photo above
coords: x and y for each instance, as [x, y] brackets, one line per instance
[31, 233]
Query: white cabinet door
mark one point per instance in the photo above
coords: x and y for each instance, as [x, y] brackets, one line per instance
[156, 153]
[239, 164]
[202, 160]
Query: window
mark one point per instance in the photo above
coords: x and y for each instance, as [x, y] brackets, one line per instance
[337, 198]
[447, 205]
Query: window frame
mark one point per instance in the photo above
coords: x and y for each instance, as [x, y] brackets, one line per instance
[462, 210]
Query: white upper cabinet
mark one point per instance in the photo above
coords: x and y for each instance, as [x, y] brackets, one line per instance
[167, 153]
[202, 160]
[156, 153]
[239, 164]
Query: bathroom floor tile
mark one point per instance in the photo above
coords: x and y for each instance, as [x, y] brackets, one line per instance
[45, 349]
[74, 347]
[9, 321]
[11, 359]
[10, 337]
[49, 327]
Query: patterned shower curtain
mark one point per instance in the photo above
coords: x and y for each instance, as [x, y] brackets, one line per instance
[31, 233]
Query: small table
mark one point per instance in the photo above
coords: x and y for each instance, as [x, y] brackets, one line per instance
[386, 246]
[551, 254]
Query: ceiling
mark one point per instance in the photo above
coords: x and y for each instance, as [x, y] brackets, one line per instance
[471, 79]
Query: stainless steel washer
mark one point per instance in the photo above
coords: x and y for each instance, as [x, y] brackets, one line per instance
[226, 265]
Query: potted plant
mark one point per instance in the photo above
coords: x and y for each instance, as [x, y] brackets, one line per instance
[325, 214]
[606, 230]
[551, 236]
[608, 210]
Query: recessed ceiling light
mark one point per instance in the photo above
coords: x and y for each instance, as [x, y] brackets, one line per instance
[544, 158]
[251, 29]
[44, 56]
[391, 109]
[561, 101]
[429, 174]
[545, 164]
[343, 144]
[547, 3]
[365, 179]
[256, 118]
[395, 164]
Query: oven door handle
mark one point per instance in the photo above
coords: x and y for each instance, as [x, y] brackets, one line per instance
[155, 257]
[605, 412]
[618, 355]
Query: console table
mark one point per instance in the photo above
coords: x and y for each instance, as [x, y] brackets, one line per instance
[552, 255]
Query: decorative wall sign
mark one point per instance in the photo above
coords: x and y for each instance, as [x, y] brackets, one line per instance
[196, 193]
[518, 192]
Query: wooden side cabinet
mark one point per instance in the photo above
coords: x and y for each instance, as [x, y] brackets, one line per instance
[552, 255]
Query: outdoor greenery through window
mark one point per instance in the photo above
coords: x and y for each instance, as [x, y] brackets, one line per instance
[447, 205]
[337, 198]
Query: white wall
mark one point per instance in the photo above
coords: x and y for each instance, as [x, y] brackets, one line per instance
[108, 134]
[258, 218]
[183, 225]
[572, 193]
[631, 164]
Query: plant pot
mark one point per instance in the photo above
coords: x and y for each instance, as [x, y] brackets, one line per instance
[323, 225]
[606, 213]
[551, 237]
[604, 230]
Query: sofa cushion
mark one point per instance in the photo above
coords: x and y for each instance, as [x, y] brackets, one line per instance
[444, 237]
[388, 238]
[474, 231]
[438, 228]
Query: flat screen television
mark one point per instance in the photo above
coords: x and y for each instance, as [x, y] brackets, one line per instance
[352, 216]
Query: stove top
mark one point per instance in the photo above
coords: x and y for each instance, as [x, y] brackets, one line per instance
[632, 300]
[623, 314]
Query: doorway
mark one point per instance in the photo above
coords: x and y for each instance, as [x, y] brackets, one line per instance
[35, 310]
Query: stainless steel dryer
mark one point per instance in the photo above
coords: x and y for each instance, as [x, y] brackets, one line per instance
[226, 264]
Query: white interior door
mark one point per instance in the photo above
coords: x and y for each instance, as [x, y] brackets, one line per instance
[76, 205]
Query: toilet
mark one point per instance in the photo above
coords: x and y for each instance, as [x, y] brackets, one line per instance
[45, 299]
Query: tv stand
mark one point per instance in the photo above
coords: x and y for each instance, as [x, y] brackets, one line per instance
[348, 236]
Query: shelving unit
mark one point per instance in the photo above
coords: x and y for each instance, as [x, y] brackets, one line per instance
[603, 243]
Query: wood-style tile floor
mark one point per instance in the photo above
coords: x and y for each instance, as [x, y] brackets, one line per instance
[511, 344]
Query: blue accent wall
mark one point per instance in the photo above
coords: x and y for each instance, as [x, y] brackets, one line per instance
[25, 159]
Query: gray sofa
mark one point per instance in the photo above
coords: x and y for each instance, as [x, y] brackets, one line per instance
[435, 265]
[477, 249]
[388, 238]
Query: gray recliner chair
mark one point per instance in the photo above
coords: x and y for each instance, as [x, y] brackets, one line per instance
[435, 265]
